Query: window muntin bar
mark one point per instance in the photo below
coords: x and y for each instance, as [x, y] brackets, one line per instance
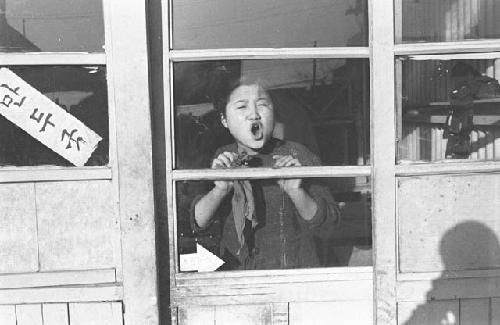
[270, 53]
[51, 58]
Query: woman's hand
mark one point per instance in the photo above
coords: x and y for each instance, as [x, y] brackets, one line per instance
[224, 160]
[291, 184]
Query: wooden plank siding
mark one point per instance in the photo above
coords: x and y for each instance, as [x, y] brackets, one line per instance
[55, 314]
[97, 313]
[18, 228]
[332, 312]
[93, 313]
[76, 221]
[29, 314]
[450, 311]
[8, 314]
[440, 215]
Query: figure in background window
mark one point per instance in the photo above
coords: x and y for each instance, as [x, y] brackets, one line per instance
[469, 85]
[265, 224]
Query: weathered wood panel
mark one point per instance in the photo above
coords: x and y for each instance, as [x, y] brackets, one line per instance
[495, 311]
[8, 315]
[243, 294]
[475, 311]
[76, 223]
[445, 289]
[59, 294]
[134, 169]
[18, 239]
[98, 313]
[332, 312]
[45, 279]
[280, 313]
[440, 215]
[29, 315]
[55, 314]
[196, 315]
[431, 312]
[243, 315]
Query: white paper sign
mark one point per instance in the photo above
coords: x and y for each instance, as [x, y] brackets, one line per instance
[44, 120]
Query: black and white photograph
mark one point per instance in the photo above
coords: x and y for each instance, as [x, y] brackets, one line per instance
[249, 162]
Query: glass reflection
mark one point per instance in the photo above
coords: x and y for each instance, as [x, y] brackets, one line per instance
[446, 21]
[262, 23]
[321, 104]
[278, 233]
[51, 26]
[450, 110]
[81, 91]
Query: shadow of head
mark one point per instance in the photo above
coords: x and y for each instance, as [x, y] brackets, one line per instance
[470, 245]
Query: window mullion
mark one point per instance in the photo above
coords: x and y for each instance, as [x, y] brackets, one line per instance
[261, 173]
[49, 58]
[270, 53]
[383, 152]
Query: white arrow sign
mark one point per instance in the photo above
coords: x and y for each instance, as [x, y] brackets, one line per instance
[201, 261]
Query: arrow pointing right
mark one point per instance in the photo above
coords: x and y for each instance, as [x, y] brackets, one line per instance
[201, 261]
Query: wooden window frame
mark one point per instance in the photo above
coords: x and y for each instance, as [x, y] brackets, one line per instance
[382, 51]
[410, 286]
[9, 174]
[239, 287]
[134, 280]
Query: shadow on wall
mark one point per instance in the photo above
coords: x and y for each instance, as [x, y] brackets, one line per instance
[469, 245]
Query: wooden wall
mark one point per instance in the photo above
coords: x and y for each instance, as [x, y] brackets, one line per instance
[61, 259]
[58, 226]
[448, 249]
[97, 313]
[294, 313]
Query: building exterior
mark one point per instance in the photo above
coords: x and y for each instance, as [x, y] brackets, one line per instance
[399, 99]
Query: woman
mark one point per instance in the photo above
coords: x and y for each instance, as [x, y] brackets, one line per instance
[267, 224]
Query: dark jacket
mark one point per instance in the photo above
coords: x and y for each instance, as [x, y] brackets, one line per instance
[282, 239]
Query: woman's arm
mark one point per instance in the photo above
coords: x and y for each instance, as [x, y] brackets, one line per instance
[304, 203]
[206, 207]
[306, 206]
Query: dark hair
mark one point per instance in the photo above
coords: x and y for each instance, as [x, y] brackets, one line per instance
[223, 85]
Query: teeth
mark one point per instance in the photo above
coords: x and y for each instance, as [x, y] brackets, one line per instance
[256, 130]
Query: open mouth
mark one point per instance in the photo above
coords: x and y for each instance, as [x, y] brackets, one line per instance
[256, 130]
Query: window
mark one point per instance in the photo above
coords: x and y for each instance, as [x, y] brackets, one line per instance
[70, 71]
[316, 78]
[427, 70]
[446, 111]
[449, 109]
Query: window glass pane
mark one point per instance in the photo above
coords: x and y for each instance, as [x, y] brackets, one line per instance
[263, 23]
[275, 235]
[51, 26]
[320, 104]
[450, 110]
[444, 21]
[81, 91]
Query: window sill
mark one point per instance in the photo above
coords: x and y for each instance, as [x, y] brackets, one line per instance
[448, 166]
[240, 287]
[53, 173]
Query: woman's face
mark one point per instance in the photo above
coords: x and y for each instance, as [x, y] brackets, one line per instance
[249, 117]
